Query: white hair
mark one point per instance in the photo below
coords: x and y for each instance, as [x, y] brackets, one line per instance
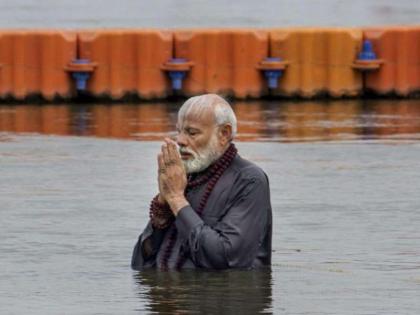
[199, 105]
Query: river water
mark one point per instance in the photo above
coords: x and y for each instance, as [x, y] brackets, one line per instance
[199, 13]
[76, 182]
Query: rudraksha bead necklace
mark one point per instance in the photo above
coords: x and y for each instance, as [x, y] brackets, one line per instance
[160, 214]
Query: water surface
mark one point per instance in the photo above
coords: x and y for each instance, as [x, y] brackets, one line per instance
[76, 182]
[280, 121]
[216, 13]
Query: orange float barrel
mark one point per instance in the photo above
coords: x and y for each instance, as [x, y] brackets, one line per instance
[127, 62]
[319, 61]
[399, 49]
[33, 62]
[224, 61]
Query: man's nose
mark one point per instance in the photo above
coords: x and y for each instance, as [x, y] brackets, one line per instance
[181, 140]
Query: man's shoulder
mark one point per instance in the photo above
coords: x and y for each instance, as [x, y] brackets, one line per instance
[246, 169]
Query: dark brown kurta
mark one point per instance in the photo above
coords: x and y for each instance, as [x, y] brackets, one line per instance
[234, 230]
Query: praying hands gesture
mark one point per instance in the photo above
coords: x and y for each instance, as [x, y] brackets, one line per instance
[172, 177]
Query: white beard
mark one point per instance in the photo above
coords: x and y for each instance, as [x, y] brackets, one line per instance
[203, 158]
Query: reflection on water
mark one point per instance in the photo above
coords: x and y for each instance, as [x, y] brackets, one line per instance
[199, 292]
[257, 121]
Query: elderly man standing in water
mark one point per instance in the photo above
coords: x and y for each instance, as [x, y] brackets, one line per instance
[213, 208]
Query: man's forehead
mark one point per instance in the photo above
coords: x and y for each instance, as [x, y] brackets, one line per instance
[197, 119]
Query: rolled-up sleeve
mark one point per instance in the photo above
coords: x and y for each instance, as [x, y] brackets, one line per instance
[145, 251]
[232, 242]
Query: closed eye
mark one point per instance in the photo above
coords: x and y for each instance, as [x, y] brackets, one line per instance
[192, 132]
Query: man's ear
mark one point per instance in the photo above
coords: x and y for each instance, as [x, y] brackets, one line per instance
[225, 132]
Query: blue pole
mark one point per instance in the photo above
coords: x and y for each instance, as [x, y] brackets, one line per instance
[177, 76]
[272, 76]
[367, 52]
[81, 77]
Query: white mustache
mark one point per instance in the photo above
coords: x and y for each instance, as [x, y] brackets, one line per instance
[186, 150]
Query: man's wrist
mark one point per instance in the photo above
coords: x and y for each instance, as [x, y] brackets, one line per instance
[160, 199]
[177, 203]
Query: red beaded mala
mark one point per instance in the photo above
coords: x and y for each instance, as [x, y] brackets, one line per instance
[211, 176]
[160, 214]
